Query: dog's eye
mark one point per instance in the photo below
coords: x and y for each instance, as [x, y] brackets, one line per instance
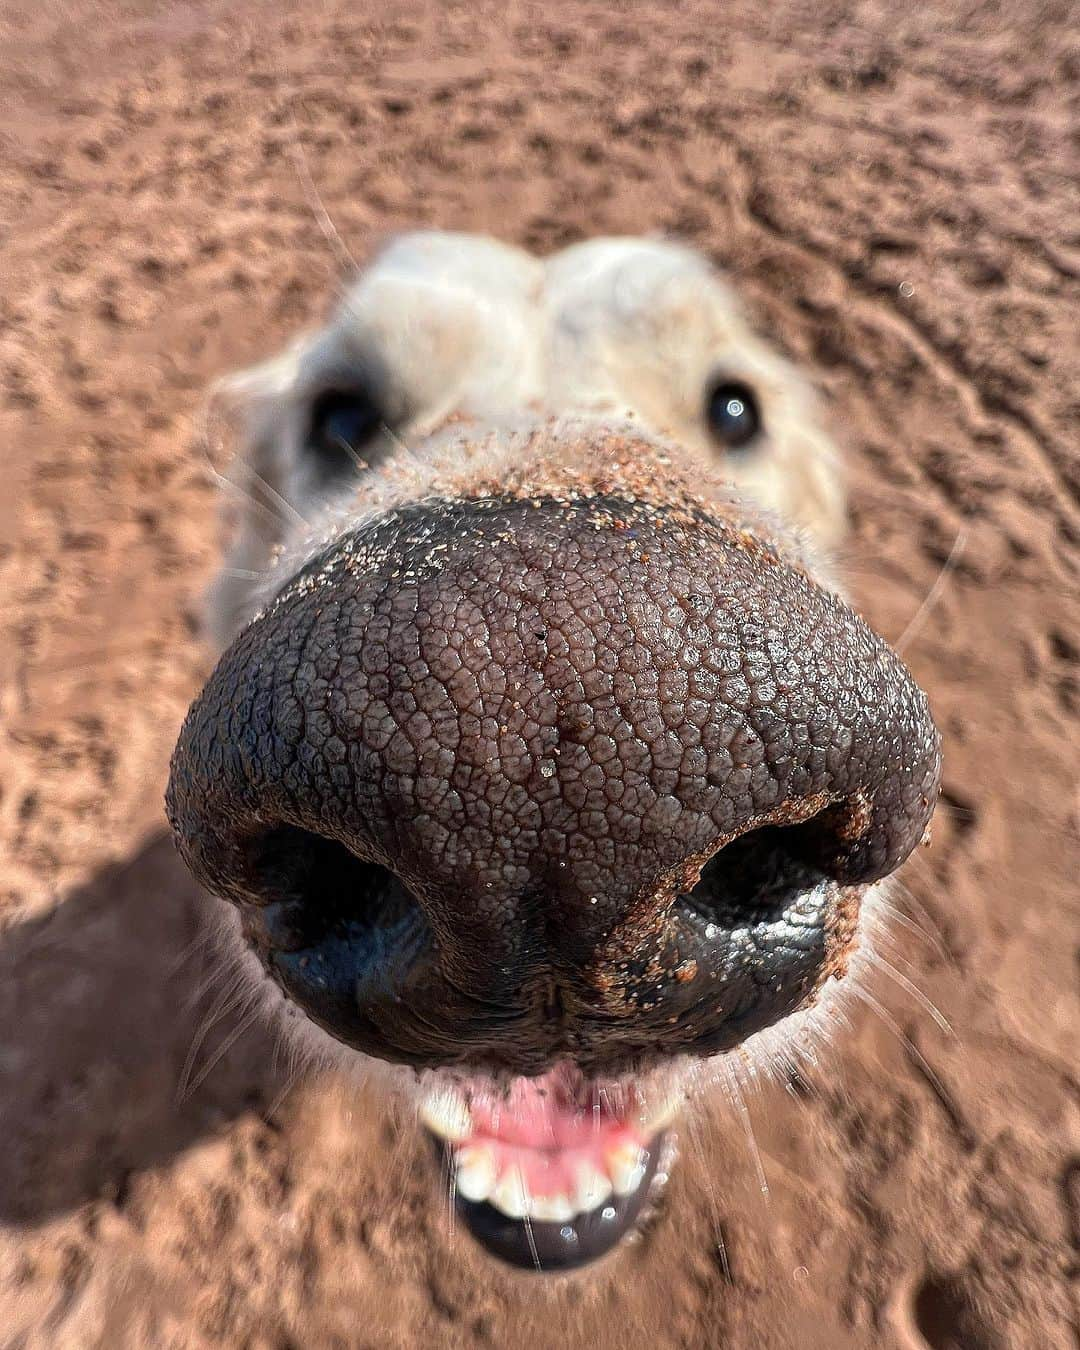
[342, 424]
[733, 414]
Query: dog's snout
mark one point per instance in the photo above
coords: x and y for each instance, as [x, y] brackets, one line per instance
[512, 778]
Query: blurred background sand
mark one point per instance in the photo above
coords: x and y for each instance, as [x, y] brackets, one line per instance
[894, 191]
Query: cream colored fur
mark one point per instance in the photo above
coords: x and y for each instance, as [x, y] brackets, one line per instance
[444, 324]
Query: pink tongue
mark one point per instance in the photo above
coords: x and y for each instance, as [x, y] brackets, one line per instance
[545, 1113]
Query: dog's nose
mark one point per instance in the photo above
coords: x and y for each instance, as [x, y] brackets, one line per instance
[501, 780]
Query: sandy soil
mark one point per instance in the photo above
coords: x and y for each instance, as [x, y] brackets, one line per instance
[891, 188]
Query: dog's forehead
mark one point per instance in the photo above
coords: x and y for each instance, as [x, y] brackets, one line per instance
[616, 276]
[487, 324]
[639, 322]
[627, 278]
[470, 266]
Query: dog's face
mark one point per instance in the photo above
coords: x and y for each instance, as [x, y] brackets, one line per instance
[544, 758]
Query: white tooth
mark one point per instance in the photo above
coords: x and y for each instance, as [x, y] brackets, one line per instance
[592, 1188]
[626, 1165]
[551, 1209]
[474, 1174]
[509, 1195]
[445, 1114]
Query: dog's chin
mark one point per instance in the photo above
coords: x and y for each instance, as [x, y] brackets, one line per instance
[553, 1172]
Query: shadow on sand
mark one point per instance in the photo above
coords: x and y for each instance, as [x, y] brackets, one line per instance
[100, 1003]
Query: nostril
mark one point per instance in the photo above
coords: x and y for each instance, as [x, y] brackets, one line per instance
[308, 887]
[339, 934]
[756, 878]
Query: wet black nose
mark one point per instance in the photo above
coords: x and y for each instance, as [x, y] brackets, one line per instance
[502, 780]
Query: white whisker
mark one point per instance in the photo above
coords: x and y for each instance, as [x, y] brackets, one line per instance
[916, 993]
[222, 963]
[223, 480]
[314, 199]
[225, 1003]
[244, 574]
[280, 1097]
[451, 1208]
[897, 916]
[222, 1050]
[711, 1195]
[934, 594]
[932, 927]
[739, 1103]
[279, 499]
[197, 943]
[361, 464]
[525, 1199]
[891, 1024]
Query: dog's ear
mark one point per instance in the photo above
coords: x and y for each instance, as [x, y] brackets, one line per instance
[255, 413]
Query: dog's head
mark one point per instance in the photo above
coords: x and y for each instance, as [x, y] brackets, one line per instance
[544, 757]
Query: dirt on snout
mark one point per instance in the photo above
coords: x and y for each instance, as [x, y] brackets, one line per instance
[893, 190]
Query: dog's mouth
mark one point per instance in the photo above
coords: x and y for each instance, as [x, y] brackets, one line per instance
[550, 1173]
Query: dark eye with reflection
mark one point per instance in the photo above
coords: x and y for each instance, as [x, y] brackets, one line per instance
[733, 414]
[343, 424]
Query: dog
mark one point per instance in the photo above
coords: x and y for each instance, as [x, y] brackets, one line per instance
[544, 759]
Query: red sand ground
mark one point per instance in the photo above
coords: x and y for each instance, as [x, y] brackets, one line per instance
[890, 186]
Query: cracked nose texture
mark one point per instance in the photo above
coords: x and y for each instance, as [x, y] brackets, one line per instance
[467, 769]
